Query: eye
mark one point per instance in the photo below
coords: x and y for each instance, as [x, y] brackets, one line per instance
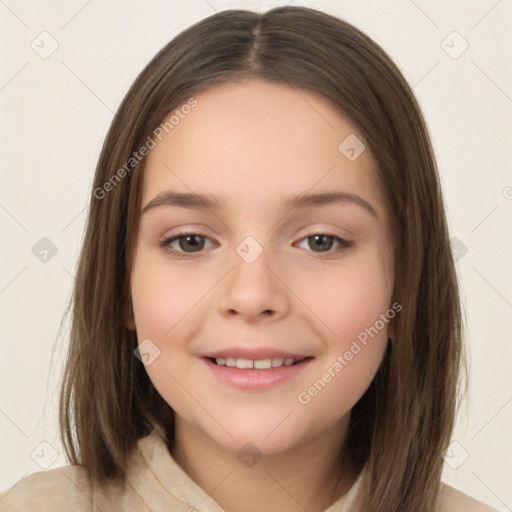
[325, 242]
[187, 243]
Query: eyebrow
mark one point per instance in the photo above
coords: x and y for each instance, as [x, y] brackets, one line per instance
[210, 202]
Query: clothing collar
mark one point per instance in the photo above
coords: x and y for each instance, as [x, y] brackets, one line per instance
[159, 479]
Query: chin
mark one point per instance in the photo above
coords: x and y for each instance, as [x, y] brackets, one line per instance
[267, 436]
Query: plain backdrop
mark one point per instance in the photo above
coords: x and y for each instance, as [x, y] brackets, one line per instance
[55, 112]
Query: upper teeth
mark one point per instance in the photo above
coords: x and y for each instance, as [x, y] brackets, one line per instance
[260, 364]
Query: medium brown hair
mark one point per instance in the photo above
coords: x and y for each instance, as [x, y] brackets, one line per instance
[403, 423]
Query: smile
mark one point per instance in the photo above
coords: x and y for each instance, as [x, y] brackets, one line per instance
[255, 374]
[258, 364]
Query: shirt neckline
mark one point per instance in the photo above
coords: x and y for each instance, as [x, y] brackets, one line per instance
[158, 479]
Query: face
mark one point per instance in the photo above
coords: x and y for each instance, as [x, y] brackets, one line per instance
[254, 275]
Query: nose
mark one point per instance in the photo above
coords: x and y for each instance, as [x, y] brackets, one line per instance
[254, 291]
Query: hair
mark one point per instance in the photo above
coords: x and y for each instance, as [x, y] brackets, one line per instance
[403, 423]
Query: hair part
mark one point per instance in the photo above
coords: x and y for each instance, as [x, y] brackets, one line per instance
[107, 400]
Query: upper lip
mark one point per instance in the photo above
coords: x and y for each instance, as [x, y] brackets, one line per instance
[253, 353]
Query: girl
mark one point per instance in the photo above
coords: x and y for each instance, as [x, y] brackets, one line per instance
[266, 313]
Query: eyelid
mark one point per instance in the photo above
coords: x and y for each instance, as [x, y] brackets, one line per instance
[323, 229]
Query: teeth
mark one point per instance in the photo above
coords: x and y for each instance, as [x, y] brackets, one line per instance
[244, 363]
[263, 364]
[260, 364]
[277, 361]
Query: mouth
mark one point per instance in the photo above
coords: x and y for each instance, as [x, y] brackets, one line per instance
[256, 364]
[252, 375]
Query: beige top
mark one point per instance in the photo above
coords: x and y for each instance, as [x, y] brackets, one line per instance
[155, 483]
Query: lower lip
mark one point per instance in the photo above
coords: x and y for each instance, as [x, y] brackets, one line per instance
[254, 379]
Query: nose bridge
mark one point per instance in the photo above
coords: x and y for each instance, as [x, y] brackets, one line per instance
[251, 288]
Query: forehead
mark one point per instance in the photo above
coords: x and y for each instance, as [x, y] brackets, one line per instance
[250, 141]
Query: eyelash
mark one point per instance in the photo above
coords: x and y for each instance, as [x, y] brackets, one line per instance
[166, 244]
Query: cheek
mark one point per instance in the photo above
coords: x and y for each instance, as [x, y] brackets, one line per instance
[168, 306]
[162, 297]
[355, 312]
[333, 393]
[349, 300]
[163, 300]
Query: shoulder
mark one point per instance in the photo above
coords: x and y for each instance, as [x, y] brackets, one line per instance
[60, 489]
[453, 500]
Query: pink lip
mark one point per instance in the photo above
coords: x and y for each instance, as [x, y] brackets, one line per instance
[254, 379]
[254, 354]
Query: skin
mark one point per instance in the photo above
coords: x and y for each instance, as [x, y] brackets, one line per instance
[251, 143]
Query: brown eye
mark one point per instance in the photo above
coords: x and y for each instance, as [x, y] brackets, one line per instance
[323, 243]
[193, 242]
[187, 243]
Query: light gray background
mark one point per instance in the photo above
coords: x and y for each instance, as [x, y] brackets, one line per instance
[55, 114]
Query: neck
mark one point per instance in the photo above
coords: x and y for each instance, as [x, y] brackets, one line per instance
[310, 477]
